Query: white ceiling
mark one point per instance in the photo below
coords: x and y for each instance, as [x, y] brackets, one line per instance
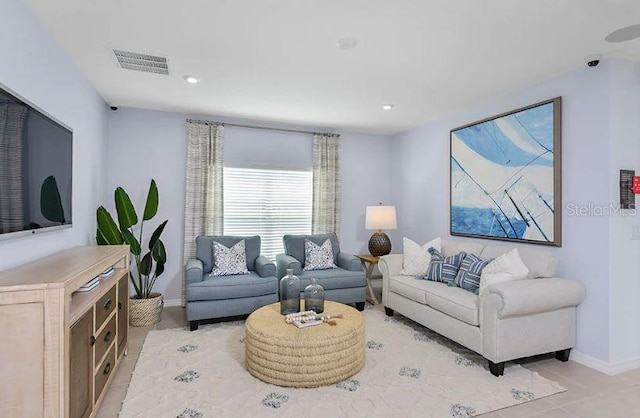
[277, 60]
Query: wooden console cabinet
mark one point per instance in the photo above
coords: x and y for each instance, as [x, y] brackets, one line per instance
[59, 348]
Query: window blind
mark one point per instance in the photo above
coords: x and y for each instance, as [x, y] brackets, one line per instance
[269, 203]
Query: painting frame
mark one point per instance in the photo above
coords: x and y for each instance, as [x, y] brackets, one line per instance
[529, 208]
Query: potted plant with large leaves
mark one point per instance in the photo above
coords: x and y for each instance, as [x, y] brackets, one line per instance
[145, 306]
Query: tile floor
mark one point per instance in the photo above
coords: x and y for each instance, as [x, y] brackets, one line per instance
[589, 392]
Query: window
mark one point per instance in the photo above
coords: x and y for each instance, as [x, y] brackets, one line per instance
[269, 203]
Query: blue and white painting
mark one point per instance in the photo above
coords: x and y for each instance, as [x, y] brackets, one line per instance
[503, 176]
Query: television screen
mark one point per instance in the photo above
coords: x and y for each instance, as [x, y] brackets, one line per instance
[35, 169]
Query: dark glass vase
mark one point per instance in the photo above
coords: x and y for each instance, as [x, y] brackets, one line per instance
[314, 297]
[289, 293]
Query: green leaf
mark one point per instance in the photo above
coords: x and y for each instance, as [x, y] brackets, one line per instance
[134, 245]
[50, 202]
[151, 207]
[159, 268]
[108, 227]
[100, 239]
[156, 235]
[159, 253]
[146, 264]
[127, 216]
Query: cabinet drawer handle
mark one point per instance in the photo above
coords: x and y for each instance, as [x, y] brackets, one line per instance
[93, 340]
[107, 337]
[119, 306]
[107, 369]
[107, 304]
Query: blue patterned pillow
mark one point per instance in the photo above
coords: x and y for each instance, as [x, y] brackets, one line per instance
[443, 269]
[229, 261]
[318, 257]
[468, 276]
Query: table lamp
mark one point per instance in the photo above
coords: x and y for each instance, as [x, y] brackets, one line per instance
[380, 217]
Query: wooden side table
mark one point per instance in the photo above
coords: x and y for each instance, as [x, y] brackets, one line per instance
[368, 263]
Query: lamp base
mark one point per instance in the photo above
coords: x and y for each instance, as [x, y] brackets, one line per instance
[379, 244]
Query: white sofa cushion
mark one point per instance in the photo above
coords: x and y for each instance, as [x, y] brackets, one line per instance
[540, 263]
[455, 302]
[505, 268]
[410, 288]
[416, 257]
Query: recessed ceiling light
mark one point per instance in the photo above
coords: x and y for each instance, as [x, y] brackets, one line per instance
[625, 34]
[346, 44]
[387, 106]
[191, 79]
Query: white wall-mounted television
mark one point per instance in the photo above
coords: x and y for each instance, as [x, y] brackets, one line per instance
[36, 156]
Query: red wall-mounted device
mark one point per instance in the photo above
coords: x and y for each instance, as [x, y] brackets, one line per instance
[635, 185]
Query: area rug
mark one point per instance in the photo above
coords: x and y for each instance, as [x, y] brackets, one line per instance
[409, 371]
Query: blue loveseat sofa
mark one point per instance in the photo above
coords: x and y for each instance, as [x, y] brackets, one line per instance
[345, 284]
[222, 296]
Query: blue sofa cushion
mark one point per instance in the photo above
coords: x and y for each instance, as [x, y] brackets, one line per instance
[204, 249]
[468, 276]
[333, 278]
[231, 287]
[294, 245]
[443, 269]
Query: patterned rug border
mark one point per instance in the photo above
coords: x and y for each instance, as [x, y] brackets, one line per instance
[173, 372]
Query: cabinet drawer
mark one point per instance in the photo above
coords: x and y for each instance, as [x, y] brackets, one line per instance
[105, 370]
[105, 339]
[105, 306]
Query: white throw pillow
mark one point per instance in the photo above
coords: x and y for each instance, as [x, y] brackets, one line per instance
[507, 267]
[229, 261]
[416, 258]
[318, 257]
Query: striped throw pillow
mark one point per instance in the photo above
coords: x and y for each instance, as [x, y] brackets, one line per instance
[443, 269]
[468, 276]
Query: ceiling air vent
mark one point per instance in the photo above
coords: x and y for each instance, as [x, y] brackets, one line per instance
[142, 62]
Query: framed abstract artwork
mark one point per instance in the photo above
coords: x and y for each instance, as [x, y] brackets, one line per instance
[505, 176]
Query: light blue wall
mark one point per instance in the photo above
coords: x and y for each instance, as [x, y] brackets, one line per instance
[36, 68]
[624, 253]
[145, 144]
[589, 175]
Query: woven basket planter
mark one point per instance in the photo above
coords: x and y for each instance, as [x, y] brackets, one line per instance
[145, 312]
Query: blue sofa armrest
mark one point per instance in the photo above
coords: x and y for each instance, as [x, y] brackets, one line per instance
[264, 267]
[194, 271]
[284, 262]
[349, 262]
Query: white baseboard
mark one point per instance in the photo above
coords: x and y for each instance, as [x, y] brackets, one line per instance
[172, 302]
[604, 367]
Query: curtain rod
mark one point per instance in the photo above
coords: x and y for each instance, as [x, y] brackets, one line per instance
[265, 128]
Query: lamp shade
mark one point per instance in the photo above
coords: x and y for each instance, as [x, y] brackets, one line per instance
[381, 217]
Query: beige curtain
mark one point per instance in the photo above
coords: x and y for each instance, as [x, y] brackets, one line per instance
[203, 209]
[327, 184]
[12, 120]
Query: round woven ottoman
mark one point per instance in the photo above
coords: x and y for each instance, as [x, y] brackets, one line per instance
[285, 355]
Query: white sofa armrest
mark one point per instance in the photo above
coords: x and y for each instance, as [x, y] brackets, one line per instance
[389, 265]
[531, 296]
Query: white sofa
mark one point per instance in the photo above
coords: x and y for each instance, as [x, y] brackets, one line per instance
[507, 321]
